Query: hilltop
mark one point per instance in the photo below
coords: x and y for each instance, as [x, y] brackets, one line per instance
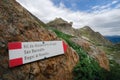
[85, 32]
[62, 25]
[95, 37]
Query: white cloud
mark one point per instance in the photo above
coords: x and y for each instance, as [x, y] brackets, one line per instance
[95, 7]
[62, 5]
[105, 6]
[106, 21]
[118, 6]
[114, 2]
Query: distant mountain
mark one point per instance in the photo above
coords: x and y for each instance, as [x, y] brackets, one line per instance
[114, 39]
[86, 32]
[94, 37]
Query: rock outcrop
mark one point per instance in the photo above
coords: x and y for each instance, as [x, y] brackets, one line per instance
[87, 39]
[62, 25]
[17, 24]
[86, 32]
[93, 51]
[94, 37]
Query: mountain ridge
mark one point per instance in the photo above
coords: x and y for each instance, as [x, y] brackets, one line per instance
[84, 41]
[103, 51]
[115, 39]
[86, 31]
[62, 25]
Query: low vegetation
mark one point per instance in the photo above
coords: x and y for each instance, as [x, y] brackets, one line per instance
[88, 68]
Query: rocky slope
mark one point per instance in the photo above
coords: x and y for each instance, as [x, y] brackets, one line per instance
[93, 51]
[86, 38]
[85, 32]
[94, 37]
[17, 24]
[62, 25]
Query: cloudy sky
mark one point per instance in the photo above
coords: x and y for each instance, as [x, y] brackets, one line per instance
[101, 15]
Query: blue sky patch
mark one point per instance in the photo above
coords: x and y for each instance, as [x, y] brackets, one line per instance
[87, 5]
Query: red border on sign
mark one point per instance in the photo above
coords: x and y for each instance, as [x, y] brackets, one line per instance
[14, 45]
[15, 62]
[64, 46]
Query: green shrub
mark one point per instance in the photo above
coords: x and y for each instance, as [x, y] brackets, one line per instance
[88, 68]
[114, 73]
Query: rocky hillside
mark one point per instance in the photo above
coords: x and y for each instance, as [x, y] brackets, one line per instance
[96, 48]
[62, 25]
[85, 38]
[94, 37]
[17, 24]
[85, 32]
[93, 51]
